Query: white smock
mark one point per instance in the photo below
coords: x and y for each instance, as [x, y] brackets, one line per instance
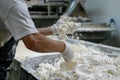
[15, 20]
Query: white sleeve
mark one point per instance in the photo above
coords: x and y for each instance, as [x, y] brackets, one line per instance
[19, 21]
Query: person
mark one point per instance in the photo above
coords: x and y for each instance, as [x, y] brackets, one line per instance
[16, 24]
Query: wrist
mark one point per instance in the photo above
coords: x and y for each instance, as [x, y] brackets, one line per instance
[54, 29]
[64, 47]
[68, 52]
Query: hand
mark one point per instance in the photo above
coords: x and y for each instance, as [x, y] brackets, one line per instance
[54, 29]
[60, 31]
[55, 26]
[68, 53]
[69, 27]
[66, 28]
[63, 27]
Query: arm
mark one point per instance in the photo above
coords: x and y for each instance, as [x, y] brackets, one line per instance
[22, 27]
[45, 31]
[39, 43]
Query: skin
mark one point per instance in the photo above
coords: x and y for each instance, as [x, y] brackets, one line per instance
[40, 43]
[45, 31]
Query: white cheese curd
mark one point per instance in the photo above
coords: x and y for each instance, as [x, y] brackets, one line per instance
[66, 26]
[87, 64]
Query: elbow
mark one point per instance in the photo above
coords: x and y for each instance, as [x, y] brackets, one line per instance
[32, 46]
[36, 43]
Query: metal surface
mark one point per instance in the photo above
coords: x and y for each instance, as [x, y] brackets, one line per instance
[47, 10]
[93, 32]
[94, 27]
[109, 50]
[75, 9]
[56, 0]
[72, 7]
[32, 63]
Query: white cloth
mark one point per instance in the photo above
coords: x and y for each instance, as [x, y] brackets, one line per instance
[68, 53]
[15, 20]
[5, 34]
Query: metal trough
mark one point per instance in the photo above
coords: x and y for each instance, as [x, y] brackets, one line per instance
[31, 64]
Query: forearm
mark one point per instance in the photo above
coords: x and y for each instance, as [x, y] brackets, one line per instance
[40, 43]
[45, 31]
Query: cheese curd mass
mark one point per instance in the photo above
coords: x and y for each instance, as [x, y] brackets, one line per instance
[87, 64]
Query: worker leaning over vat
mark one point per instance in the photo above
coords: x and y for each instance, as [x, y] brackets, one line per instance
[16, 24]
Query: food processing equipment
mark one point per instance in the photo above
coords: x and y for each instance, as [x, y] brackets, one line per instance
[90, 30]
[101, 12]
[26, 70]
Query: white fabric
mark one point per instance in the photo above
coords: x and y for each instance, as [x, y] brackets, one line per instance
[6, 5]
[15, 20]
[5, 34]
[68, 53]
[54, 29]
[19, 21]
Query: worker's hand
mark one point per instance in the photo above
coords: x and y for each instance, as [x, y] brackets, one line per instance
[54, 29]
[60, 23]
[66, 27]
[68, 53]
